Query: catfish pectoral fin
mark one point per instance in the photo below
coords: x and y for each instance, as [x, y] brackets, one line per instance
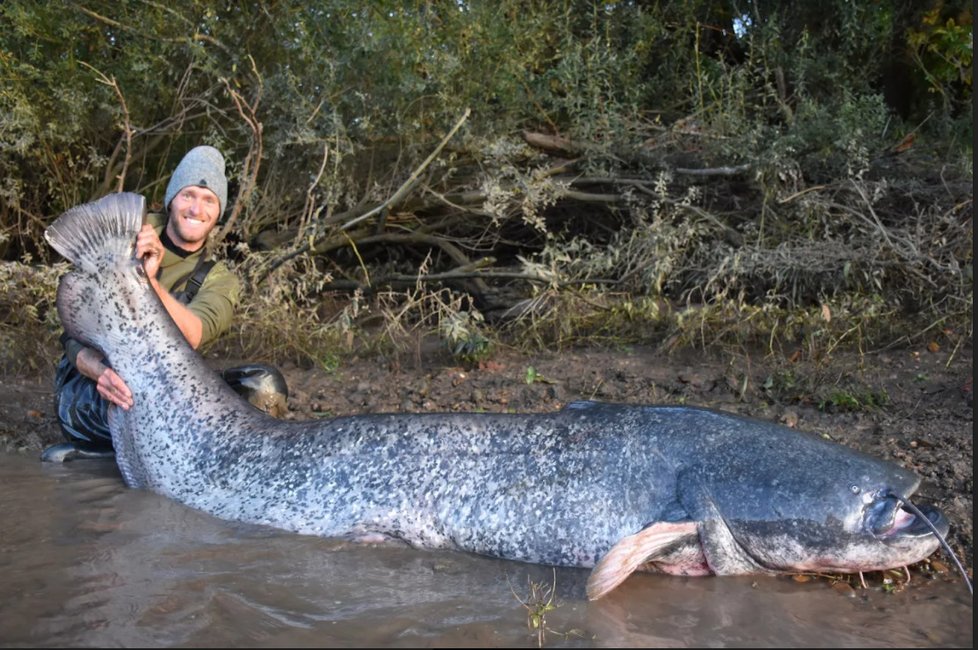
[635, 550]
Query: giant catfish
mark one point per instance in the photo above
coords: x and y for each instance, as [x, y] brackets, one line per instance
[616, 487]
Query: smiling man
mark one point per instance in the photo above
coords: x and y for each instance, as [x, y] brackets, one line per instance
[172, 247]
[200, 295]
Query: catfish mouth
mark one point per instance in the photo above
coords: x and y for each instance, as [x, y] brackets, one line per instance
[890, 520]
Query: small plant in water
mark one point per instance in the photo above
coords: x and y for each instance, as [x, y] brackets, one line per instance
[538, 604]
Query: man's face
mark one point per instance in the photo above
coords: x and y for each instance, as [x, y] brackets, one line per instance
[193, 214]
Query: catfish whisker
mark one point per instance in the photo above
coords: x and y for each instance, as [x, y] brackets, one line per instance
[905, 501]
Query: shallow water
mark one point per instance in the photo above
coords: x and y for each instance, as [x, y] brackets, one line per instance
[87, 562]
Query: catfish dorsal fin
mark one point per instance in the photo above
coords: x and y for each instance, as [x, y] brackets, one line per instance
[632, 552]
[99, 234]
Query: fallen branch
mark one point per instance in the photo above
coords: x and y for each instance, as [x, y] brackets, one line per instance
[713, 171]
[550, 143]
[316, 245]
[409, 183]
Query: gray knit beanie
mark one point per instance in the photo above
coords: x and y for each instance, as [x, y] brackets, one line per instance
[203, 166]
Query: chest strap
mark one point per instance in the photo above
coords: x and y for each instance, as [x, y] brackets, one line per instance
[195, 281]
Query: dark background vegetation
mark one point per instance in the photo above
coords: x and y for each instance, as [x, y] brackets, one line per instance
[790, 175]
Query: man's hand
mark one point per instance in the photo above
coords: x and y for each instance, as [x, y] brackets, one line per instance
[149, 248]
[112, 388]
[109, 384]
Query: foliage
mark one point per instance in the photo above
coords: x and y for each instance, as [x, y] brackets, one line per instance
[697, 173]
[309, 337]
[942, 50]
[29, 323]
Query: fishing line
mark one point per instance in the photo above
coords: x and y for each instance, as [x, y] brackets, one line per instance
[914, 509]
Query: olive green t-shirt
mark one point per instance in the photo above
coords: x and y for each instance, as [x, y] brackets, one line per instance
[214, 302]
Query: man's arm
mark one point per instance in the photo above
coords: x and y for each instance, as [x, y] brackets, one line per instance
[91, 363]
[150, 249]
[110, 385]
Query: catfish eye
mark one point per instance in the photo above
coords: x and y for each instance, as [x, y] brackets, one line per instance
[854, 489]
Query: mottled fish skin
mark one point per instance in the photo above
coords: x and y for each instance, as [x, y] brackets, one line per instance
[558, 488]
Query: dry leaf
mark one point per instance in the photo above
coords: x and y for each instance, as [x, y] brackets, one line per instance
[844, 588]
[904, 144]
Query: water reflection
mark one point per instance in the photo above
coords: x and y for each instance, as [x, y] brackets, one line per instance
[87, 562]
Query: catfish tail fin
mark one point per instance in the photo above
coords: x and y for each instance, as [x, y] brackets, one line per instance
[97, 235]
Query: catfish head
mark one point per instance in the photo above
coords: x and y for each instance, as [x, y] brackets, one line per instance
[782, 503]
[833, 511]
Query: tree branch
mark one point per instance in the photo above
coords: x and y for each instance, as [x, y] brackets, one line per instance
[249, 171]
[409, 183]
[127, 130]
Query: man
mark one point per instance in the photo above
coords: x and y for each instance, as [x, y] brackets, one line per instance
[200, 296]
